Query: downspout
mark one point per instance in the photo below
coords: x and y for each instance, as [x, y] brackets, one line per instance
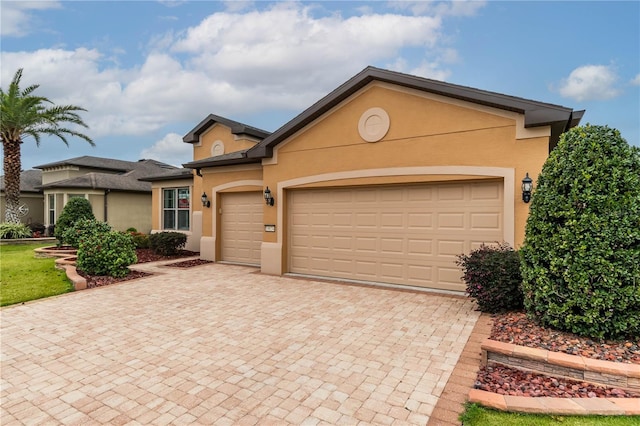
[106, 203]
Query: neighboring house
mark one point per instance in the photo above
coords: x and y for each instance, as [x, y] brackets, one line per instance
[31, 199]
[113, 188]
[386, 179]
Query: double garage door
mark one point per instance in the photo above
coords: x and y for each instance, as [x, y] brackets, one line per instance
[408, 235]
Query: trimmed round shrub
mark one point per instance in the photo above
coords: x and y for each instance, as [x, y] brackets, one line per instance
[75, 209]
[140, 239]
[581, 254]
[83, 228]
[492, 275]
[107, 254]
[167, 243]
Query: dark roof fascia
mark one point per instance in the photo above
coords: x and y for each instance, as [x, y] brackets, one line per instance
[237, 128]
[536, 113]
[230, 159]
[186, 174]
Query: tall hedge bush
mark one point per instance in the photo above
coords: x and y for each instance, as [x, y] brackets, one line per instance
[75, 209]
[581, 254]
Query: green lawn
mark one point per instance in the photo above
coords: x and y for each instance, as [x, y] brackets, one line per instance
[476, 415]
[23, 277]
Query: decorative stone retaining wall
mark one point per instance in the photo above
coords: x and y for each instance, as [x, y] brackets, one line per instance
[558, 364]
[605, 373]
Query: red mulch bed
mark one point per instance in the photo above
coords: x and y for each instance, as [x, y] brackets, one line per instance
[517, 329]
[144, 256]
[510, 381]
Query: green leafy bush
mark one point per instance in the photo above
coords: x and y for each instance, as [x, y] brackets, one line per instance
[140, 239]
[132, 229]
[75, 209]
[581, 254]
[83, 228]
[167, 243]
[492, 275]
[37, 229]
[107, 254]
[10, 231]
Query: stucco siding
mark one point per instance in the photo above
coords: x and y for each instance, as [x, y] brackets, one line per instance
[126, 210]
[35, 203]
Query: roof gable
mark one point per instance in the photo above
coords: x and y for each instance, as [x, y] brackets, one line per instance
[536, 113]
[236, 127]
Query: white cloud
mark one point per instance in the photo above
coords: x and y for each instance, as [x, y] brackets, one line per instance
[170, 149]
[590, 82]
[636, 80]
[286, 61]
[16, 17]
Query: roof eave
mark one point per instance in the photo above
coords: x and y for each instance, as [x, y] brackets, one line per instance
[200, 164]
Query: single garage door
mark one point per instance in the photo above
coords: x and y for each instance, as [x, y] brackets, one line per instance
[407, 235]
[241, 227]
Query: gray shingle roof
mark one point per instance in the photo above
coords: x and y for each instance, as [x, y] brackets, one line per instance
[128, 181]
[94, 163]
[30, 181]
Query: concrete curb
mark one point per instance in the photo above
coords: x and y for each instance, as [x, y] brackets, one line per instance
[560, 406]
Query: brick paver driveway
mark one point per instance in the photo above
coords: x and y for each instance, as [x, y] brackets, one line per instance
[221, 344]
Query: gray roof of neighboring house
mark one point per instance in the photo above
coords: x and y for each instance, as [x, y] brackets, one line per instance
[94, 163]
[535, 113]
[129, 181]
[170, 175]
[30, 181]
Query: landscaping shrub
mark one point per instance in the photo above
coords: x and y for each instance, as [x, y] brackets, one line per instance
[167, 243]
[83, 228]
[37, 229]
[75, 209]
[107, 254]
[132, 229]
[10, 231]
[492, 275]
[140, 239]
[581, 254]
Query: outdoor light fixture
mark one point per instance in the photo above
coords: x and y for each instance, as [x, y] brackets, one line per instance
[527, 187]
[268, 197]
[205, 200]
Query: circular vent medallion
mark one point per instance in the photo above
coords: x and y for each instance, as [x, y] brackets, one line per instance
[373, 124]
[217, 148]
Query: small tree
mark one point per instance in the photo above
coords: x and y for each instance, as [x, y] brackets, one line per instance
[23, 114]
[581, 254]
[75, 209]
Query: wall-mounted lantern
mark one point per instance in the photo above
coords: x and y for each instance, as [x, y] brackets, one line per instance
[205, 200]
[268, 198]
[527, 187]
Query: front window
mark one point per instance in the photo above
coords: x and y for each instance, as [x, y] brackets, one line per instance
[52, 208]
[175, 209]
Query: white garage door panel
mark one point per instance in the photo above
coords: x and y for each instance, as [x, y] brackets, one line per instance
[408, 235]
[241, 227]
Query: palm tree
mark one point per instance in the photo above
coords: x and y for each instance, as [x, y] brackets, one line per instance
[23, 115]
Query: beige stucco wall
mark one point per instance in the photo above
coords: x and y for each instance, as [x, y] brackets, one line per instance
[220, 132]
[129, 209]
[445, 138]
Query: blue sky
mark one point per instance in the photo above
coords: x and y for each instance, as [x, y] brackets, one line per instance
[150, 71]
